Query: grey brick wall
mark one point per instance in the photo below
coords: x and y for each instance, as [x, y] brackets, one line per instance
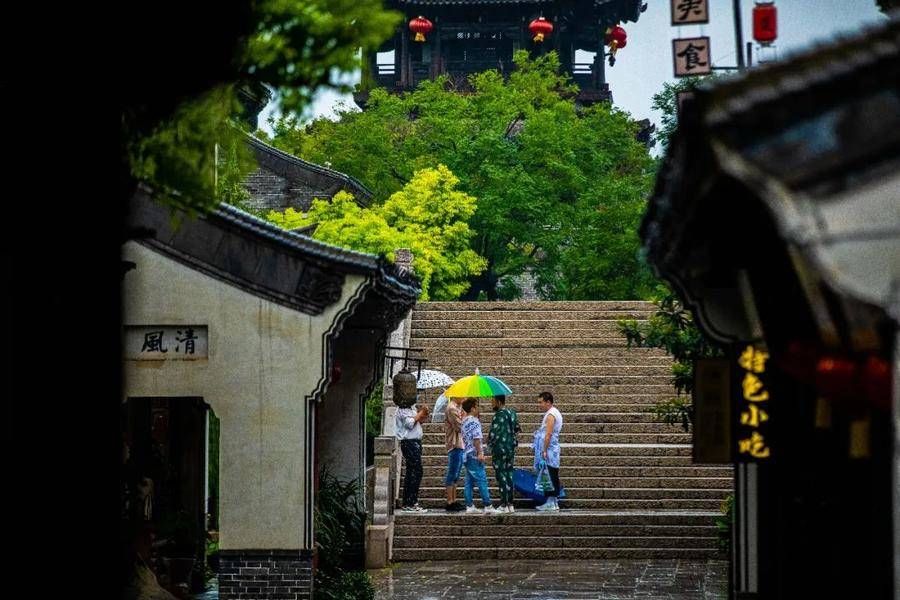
[270, 191]
[269, 574]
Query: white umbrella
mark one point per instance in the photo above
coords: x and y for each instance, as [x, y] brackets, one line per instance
[429, 378]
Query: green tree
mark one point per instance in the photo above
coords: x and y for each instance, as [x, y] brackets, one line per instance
[666, 101]
[560, 188]
[428, 215]
[292, 47]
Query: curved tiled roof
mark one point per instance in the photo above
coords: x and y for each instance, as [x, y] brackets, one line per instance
[292, 167]
[245, 251]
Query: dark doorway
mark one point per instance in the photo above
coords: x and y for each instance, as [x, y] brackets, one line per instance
[168, 491]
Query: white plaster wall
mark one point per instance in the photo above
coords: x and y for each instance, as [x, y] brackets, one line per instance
[264, 360]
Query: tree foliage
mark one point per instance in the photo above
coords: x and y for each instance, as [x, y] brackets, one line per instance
[666, 101]
[560, 189]
[291, 47]
[428, 215]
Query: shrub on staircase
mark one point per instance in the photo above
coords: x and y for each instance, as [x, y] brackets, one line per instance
[672, 329]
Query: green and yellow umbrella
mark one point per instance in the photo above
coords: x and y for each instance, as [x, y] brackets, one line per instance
[478, 386]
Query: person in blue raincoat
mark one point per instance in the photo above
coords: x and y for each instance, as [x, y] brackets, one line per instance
[546, 447]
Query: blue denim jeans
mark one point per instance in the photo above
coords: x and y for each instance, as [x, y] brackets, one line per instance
[454, 466]
[475, 473]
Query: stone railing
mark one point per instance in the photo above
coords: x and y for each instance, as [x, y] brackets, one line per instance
[380, 533]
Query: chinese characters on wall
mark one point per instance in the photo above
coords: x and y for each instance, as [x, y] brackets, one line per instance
[753, 406]
[166, 342]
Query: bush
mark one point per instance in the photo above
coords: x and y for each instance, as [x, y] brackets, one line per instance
[724, 524]
[340, 528]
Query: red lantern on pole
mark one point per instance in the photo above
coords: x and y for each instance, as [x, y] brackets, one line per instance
[765, 23]
[420, 26]
[616, 38]
[540, 28]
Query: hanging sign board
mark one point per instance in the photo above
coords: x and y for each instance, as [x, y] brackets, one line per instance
[166, 342]
[712, 411]
[753, 404]
[690, 12]
[691, 56]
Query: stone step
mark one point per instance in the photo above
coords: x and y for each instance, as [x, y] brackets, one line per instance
[449, 342]
[436, 480]
[433, 439]
[568, 517]
[594, 471]
[566, 306]
[498, 366]
[533, 419]
[563, 382]
[574, 450]
[623, 493]
[525, 459]
[571, 428]
[558, 541]
[419, 530]
[524, 399]
[599, 503]
[539, 356]
[512, 323]
[596, 370]
[539, 553]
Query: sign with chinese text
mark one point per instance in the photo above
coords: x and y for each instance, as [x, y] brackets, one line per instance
[753, 406]
[711, 398]
[690, 12]
[691, 56]
[166, 342]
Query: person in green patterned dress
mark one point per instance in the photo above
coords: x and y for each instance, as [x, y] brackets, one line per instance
[502, 440]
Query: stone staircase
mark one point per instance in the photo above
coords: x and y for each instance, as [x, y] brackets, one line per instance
[633, 491]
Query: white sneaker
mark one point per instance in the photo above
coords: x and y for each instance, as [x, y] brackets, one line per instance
[490, 510]
[510, 508]
[503, 509]
[545, 507]
[408, 509]
[471, 509]
[419, 508]
[555, 507]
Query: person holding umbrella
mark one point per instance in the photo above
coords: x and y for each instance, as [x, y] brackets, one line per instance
[473, 386]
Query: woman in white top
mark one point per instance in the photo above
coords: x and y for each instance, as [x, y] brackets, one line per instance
[546, 447]
[408, 429]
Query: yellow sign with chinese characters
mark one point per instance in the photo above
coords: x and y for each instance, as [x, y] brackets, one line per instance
[753, 405]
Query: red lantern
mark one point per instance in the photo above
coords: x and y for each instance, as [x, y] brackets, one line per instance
[420, 26]
[876, 381]
[765, 23]
[836, 376]
[540, 28]
[616, 38]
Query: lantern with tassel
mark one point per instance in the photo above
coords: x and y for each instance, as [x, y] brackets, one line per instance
[420, 26]
[616, 38]
[540, 28]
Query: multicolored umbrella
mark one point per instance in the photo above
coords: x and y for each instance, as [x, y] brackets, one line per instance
[478, 386]
[430, 378]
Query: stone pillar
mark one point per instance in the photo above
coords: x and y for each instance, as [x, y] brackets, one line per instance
[380, 534]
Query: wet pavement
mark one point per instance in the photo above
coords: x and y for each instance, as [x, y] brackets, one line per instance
[654, 579]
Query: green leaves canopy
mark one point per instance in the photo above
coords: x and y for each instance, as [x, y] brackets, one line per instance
[560, 189]
[428, 215]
